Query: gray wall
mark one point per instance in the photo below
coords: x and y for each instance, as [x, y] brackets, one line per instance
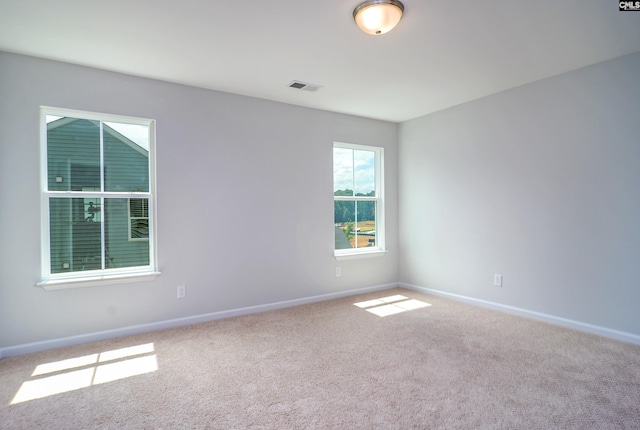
[540, 184]
[244, 192]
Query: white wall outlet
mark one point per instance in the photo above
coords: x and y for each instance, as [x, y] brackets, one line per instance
[497, 280]
[182, 291]
[338, 271]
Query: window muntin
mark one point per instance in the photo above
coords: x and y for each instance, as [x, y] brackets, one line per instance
[358, 199]
[94, 167]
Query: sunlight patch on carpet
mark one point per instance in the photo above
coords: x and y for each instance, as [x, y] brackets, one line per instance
[71, 363]
[380, 301]
[391, 305]
[82, 372]
[125, 369]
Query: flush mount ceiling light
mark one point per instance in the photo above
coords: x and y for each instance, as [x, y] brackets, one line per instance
[378, 16]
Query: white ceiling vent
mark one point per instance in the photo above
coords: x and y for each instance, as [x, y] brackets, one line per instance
[304, 86]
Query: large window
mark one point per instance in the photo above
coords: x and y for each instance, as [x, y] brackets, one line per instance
[358, 199]
[97, 198]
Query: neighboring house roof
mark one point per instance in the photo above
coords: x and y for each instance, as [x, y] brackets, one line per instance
[133, 145]
[342, 241]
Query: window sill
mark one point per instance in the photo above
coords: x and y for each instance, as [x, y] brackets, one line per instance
[92, 281]
[361, 254]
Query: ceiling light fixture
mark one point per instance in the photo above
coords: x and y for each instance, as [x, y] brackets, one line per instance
[378, 16]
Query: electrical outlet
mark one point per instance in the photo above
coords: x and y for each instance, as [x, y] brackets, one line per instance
[497, 280]
[182, 291]
[338, 271]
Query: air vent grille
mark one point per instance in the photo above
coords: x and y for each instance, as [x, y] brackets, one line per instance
[304, 86]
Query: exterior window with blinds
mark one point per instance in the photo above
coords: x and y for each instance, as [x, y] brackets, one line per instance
[98, 195]
[138, 219]
[358, 199]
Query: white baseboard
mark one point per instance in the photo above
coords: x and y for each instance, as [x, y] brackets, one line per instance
[28, 348]
[577, 325]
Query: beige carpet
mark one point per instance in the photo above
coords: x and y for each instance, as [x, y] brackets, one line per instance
[333, 365]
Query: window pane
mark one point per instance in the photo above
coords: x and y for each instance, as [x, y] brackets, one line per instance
[126, 157]
[365, 173]
[342, 172]
[120, 251]
[344, 223]
[73, 154]
[75, 242]
[366, 225]
[355, 224]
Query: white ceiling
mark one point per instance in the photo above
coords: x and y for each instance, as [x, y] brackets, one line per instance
[442, 53]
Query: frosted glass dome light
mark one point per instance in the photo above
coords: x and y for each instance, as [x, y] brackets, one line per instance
[378, 16]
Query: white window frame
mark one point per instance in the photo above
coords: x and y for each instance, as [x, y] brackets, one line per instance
[56, 281]
[380, 248]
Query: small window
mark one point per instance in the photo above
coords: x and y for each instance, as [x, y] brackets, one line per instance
[358, 199]
[97, 198]
[138, 219]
